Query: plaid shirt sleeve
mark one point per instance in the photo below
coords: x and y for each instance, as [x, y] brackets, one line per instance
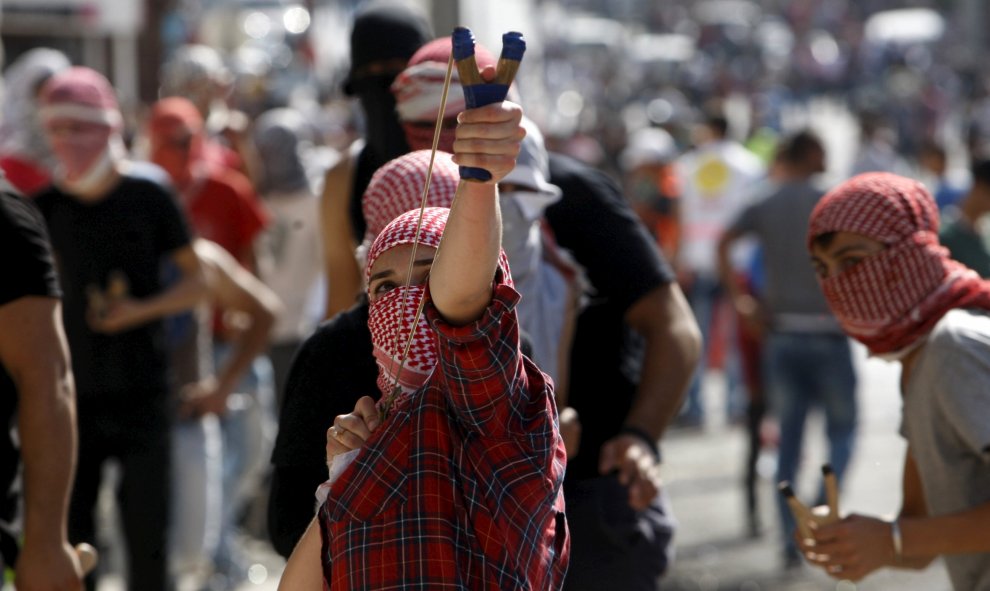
[492, 389]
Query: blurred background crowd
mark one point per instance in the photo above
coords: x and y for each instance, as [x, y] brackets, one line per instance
[639, 89]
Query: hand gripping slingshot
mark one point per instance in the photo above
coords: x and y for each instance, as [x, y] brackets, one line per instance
[477, 93]
[820, 515]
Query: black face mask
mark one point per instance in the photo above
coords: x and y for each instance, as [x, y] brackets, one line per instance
[384, 134]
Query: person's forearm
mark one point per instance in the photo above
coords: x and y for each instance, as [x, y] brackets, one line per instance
[338, 240]
[249, 345]
[673, 344]
[47, 429]
[964, 532]
[184, 295]
[303, 570]
[462, 274]
[725, 273]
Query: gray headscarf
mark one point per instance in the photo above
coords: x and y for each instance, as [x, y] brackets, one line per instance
[20, 130]
[282, 137]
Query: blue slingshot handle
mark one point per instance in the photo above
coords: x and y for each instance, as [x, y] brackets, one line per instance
[481, 94]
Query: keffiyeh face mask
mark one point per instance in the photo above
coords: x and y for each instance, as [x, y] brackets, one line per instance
[391, 316]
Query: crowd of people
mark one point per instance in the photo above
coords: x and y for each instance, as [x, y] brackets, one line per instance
[236, 319]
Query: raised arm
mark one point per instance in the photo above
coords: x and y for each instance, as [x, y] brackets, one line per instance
[461, 277]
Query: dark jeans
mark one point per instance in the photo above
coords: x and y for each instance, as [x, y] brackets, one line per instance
[613, 546]
[139, 440]
[806, 371]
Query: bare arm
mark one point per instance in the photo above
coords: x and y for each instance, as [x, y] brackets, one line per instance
[303, 571]
[234, 288]
[338, 239]
[744, 303]
[925, 537]
[35, 353]
[461, 276]
[182, 295]
[673, 345]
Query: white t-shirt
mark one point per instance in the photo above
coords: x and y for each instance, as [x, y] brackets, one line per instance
[946, 422]
[719, 179]
[292, 263]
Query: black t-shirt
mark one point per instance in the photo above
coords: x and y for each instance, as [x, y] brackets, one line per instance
[129, 231]
[331, 371]
[623, 264]
[26, 269]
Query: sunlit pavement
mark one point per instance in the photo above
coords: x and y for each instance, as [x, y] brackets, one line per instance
[703, 473]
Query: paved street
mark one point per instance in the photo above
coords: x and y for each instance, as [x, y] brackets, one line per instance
[704, 474]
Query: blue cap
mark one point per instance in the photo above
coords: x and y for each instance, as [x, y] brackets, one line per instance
[513, 46]
[463, 43]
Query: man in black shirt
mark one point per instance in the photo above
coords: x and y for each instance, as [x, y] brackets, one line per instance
[635, 348]
[35, 372]
[110, 232]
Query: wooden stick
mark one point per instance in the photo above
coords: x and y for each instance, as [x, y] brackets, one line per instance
[803, 515]
[831, 491]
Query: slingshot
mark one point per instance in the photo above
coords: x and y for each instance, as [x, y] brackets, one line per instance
[477, 93]
[820, 515]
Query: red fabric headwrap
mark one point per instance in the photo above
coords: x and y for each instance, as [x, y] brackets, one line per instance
[169, 118]
[419, 87]
[893, 298]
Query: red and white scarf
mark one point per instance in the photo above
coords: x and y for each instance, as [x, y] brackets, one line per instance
[397, 187]
[391, 316]
[892, 299]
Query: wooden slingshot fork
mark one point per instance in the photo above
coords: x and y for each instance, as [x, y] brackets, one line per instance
[820, 515]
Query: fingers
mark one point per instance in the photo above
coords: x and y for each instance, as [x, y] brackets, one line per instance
[500, 112]
[368, 411]
[334, 445]
[488, 74]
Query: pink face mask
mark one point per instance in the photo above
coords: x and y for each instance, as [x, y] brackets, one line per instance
[78, 146]
[390, 319]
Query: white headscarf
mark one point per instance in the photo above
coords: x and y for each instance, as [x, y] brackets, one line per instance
[20, 130]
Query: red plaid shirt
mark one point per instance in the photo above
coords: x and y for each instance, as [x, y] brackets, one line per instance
[461, 487]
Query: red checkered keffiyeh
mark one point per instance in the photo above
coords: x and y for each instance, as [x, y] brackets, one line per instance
[391, 317]
[397, 187]
[893, 298]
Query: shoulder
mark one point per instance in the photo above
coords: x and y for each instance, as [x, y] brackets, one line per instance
[18, 213]
[233, 180]
[960, 342]
[143, 183]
